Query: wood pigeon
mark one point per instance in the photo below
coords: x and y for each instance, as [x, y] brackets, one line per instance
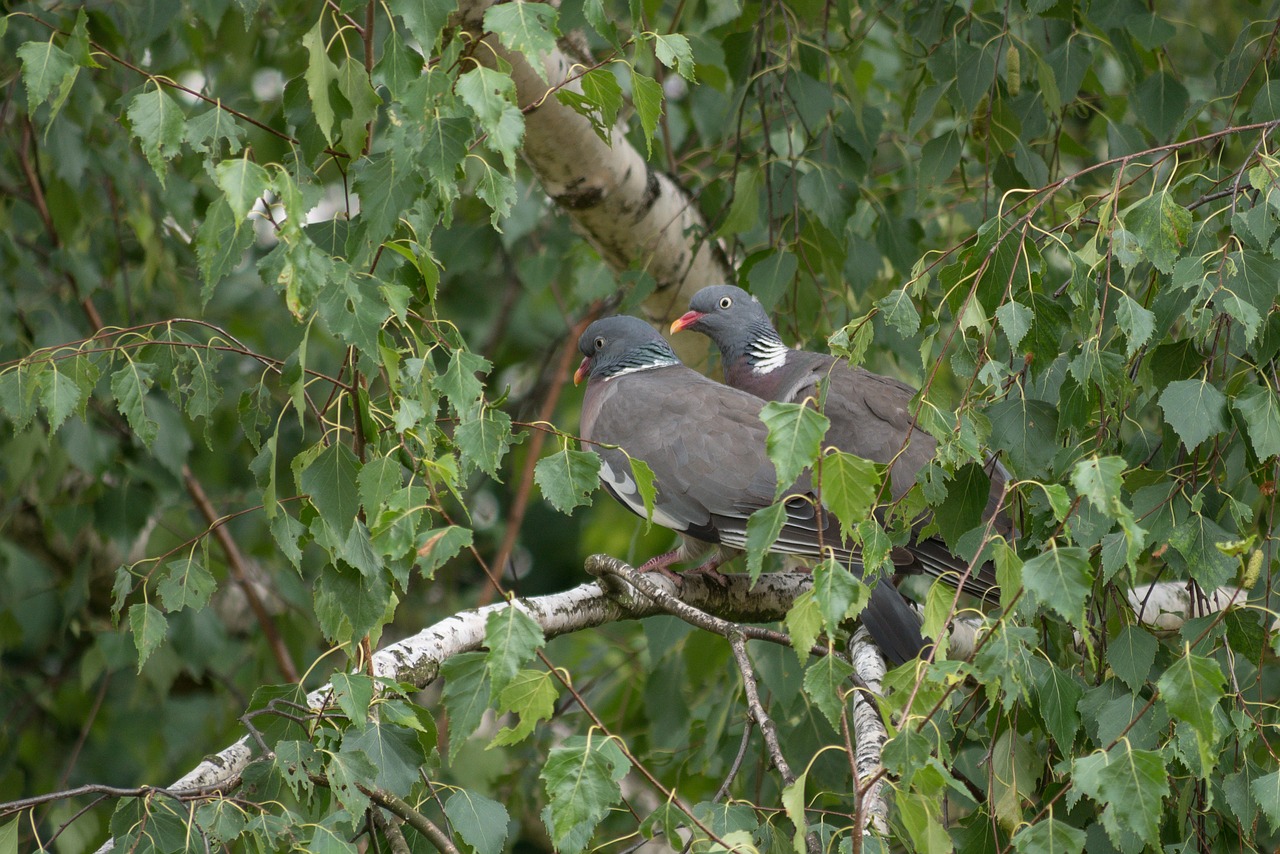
[869, 413]
[705, 444]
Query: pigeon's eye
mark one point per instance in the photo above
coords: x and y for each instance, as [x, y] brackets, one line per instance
[725, 302]
[599, 343]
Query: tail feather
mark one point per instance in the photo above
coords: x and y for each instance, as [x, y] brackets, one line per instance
[933, 557]
[893, 625]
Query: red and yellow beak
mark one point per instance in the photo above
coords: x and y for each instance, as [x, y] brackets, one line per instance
[685, 321]
[581, 373]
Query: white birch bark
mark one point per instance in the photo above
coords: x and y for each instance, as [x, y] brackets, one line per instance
[417, 659]
[630, 212]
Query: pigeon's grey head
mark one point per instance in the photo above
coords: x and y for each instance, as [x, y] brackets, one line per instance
[730, 317]
[621, 344]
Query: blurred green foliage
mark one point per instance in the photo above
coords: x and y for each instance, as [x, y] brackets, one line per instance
[276, 272]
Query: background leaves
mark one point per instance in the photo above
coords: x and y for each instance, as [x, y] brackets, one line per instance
[284, 326]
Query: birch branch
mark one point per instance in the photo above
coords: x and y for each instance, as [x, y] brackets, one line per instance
[632, 214]
[417, 659]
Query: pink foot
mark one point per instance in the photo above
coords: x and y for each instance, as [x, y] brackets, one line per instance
[661, 563]
[711, 569]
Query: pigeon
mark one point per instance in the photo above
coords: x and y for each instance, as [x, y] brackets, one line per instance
[705, 444]
[869, 413]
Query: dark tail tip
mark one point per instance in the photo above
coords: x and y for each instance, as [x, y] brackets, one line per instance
[893, 625]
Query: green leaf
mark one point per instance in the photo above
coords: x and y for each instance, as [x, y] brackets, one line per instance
[921, 816]
[395, 751]
[804, 623]
[207, 131]
[220, 245]
[481, 822]
[1057, 698]
[793, 802]
[1099, 480]
[60, 394]
[1060, 578]
[466, 696]
[1196, 538]
[497, 190]
[1160, 103]
[331, 481]
[48, 72]
[532, 695]
[354, 694]
[939, 157]
[1015, 319]
[351, 604]
[387, 186]
[491, 95]
[484, 440]
[1161, 226]
[1130, 784]
[762, 530]
[568, 477]
[1191, 689]
[744, 210]
[346, 771]
[581, 778]
[158, 123]
[18, 390]
[961, 511]
[424, 18]
[525, 27]
[130, 385]
[850, 485]
[644, 479]
[148, 626]
[1025, 429]
[377, 481]
[674, 52]
[244, 183]
[459, 382]
[1049, 836]
[770, 276]
[1266, 791]
[440, 546]
[1138, 324]
[320, 74]
[646, 94]
[899, 311]
[1131, 654]
[1015, 776]
[512, 637]
[1260, 410]
[794, 441]
[824, 684]
[1195, 410]
[186, 584]
[444, 145]
[838, 592]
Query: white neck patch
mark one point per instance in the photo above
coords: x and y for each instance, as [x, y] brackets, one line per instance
[767, 356]
[635, 369]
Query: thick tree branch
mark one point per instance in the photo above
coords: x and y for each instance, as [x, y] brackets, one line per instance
[633, 215]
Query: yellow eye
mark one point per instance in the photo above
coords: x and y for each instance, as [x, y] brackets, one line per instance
[725, 302]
